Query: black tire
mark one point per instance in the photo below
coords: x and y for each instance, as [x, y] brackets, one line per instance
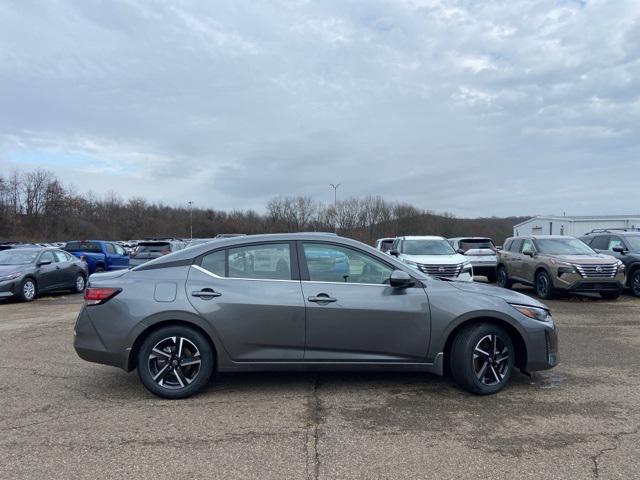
[544, 286]
[492, 277]
[502, 278]
[610, 295]
[99, 269]
[28, 290]
[634, 282]
[79, 286]
[476, 372]
[176, 381]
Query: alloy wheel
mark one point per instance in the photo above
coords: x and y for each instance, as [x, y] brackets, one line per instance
[80, 283]
[635, 283]
[174, 362]
[490, 357]
[29, 290]
[502, 277]
[542, 284]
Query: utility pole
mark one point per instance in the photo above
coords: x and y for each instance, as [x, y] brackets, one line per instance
[191, 218]
[335, 193]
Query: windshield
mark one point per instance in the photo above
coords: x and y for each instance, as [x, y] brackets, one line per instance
[562, 246]
[92, 247]
[17, 257]
[476, 243]
[427, 247]
[634, 242]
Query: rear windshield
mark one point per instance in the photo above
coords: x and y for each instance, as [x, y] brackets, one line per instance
[568, 246]
[155, 247]
[470, 244]
[91, 247]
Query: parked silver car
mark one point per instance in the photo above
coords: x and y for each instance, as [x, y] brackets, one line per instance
[305, 301]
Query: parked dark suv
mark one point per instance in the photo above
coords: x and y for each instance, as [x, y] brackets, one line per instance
[622, 244]
[553, 263]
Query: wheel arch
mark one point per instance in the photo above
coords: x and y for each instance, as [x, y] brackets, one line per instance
[631, 270]
[516, 337]
[539, 268]
[176, 320]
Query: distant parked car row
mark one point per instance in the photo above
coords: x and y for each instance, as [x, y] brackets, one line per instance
[603, 261]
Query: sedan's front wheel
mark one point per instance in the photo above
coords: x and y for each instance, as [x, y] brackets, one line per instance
[482, 358]
[175, 362]
[28, 290]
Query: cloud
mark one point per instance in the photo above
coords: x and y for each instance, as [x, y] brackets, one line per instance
[476, 108]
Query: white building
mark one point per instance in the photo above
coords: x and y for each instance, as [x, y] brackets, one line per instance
[575, 226]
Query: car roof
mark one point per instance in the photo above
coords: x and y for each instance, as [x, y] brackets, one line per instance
[197, 250]
[422, 237]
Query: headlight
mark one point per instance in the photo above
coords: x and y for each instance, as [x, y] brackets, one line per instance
[11, 276]
[620, 266]
[534, 312]
[467, 268]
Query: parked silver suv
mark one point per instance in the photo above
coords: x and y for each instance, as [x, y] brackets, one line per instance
[481, 252]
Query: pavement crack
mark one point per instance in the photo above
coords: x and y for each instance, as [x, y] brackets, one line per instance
[617, 439]
[313, 427]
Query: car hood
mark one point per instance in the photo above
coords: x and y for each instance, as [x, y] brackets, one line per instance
[9, 269]
[452, 259]
[508, 295]
[598, 259]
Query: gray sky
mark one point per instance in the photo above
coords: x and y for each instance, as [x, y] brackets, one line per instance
[471, 107]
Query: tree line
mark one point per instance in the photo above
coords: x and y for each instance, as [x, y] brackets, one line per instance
[36, 207]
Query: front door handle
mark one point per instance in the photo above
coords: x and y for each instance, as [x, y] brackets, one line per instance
[322, 298]
[206, 294]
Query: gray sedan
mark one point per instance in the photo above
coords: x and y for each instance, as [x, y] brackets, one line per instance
[305, 302]
[26, 272]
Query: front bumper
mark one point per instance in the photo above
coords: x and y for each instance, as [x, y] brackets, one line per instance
[542, 350]
[10, 288]
[574, 282]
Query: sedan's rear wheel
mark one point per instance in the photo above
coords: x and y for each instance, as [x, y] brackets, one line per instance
[482, 358]
[175, 362]
[80, 283]
[28, 290]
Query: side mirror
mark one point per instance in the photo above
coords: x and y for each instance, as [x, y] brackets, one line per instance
[528, 252]
[460, 251]
[46, 262]
[400, 279]
[394, 252]
[619, 249]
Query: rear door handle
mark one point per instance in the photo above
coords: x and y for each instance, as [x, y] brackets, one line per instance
[322, 298]
[206, 294]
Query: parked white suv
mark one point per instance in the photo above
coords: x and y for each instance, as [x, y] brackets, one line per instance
[432, 255]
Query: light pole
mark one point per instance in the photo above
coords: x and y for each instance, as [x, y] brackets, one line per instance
[335, 193]
[191, 218]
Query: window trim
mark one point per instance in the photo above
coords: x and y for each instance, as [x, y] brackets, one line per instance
[304, 271]
[295, 271]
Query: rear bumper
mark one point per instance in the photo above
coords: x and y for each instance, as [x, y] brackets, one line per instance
[89, 346]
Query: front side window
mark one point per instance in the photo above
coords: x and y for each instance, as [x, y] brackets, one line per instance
[615, 242]
[266, 262]
[110, 248]
[119, 249]
[527, 245]
[332, 263]
[47, 257]
[60, 257]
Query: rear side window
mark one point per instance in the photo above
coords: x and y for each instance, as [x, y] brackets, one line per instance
[515, 245]
[266, 262]
[214, 263]
[91, 247]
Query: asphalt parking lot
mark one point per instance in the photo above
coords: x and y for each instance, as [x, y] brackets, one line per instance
[64, 418]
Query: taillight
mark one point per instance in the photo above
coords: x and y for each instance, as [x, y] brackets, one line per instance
[96, 296]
